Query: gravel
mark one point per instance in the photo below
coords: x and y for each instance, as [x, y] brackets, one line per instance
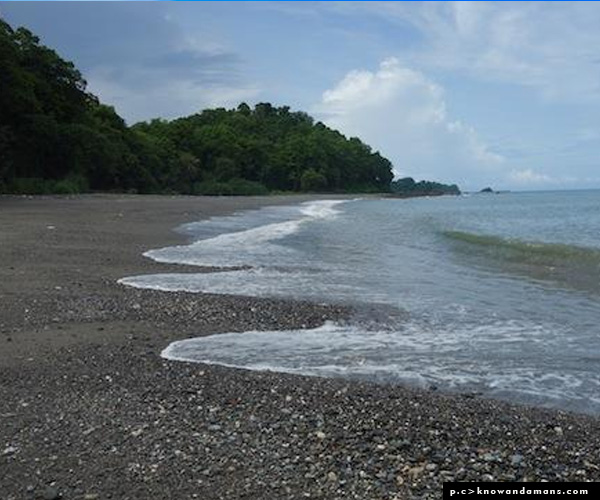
[128, 425]
[88, 409]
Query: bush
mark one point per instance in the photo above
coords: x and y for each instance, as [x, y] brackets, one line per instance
[312, 180]
[211, 188]
[242, 187]
[71, 185]
[364, 188]
[36, 185]
[30, 185]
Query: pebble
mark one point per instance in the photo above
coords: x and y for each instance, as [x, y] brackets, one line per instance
[51, 493]
[10, 450]
[220, 433]
[516, 459]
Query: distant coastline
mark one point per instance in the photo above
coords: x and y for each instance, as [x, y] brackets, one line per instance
[60, 139]
[407, 187]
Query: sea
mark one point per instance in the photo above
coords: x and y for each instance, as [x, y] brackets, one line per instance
[490, 294]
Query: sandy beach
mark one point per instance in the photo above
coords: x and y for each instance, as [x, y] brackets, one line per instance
[89, 410]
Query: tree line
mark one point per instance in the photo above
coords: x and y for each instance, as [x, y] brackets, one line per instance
[407, 187]
[56, 137]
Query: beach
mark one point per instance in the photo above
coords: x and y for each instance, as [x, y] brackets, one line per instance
[88, 409]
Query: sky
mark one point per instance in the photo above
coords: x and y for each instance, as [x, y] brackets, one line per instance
[475, 93]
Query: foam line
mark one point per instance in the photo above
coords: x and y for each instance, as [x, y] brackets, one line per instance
[234, 249]
[414, 357]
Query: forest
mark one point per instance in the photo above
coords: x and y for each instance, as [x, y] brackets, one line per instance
[407, 187]
[56, 137]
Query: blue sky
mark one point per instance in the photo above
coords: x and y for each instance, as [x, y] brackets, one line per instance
[479, 93]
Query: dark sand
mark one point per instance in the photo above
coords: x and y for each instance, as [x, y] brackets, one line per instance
[89, 410]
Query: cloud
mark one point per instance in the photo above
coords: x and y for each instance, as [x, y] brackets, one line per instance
[139, 58]
[195, 67]
[402, 113]
[200, 65]
[171, 83]
[550, 46]
[171, 59]
[167, 98]
[529, 176]
[172, 77]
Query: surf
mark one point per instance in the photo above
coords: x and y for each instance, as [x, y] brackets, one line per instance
[568, 265]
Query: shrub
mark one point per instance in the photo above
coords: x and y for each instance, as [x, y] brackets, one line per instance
[71, 185]
[242, 187]
[30, 185]
[312, 180]
[211, 188]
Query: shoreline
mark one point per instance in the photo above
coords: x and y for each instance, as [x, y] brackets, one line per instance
[63, 255]
[88, 407]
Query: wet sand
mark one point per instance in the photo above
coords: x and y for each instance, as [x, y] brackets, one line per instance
[88, 409]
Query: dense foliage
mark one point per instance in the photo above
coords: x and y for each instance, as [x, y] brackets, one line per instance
[407, 187]
[57, 137]
[265, 146]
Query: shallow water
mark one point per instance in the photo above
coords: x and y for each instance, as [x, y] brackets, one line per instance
[498, 294]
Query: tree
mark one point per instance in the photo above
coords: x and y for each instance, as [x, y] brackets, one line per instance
[56, 135]
[311, 180]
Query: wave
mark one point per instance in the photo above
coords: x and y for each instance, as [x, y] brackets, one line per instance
[248, 247]
[253, 282]
[321, 209]
[530, 250]
[411, 356]
[572, 265]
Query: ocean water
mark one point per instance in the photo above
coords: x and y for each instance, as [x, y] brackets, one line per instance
[494, 294]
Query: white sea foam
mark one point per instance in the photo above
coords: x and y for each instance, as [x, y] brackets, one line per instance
[251, 246]
[254, 282]
[321, 209]
[257, 247]
[233, 249]
[465, 325]
[419, 359]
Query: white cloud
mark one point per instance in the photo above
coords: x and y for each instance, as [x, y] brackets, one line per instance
[164, 97]
[550, 46]
[402, 113]
[529, 176]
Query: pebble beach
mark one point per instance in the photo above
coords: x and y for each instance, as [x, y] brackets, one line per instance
[89, 409]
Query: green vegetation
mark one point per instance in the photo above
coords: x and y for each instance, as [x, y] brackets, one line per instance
[407, 187]
[55, 137]
[244, 150]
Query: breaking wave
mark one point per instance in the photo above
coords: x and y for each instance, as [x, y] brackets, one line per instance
[248, 247]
